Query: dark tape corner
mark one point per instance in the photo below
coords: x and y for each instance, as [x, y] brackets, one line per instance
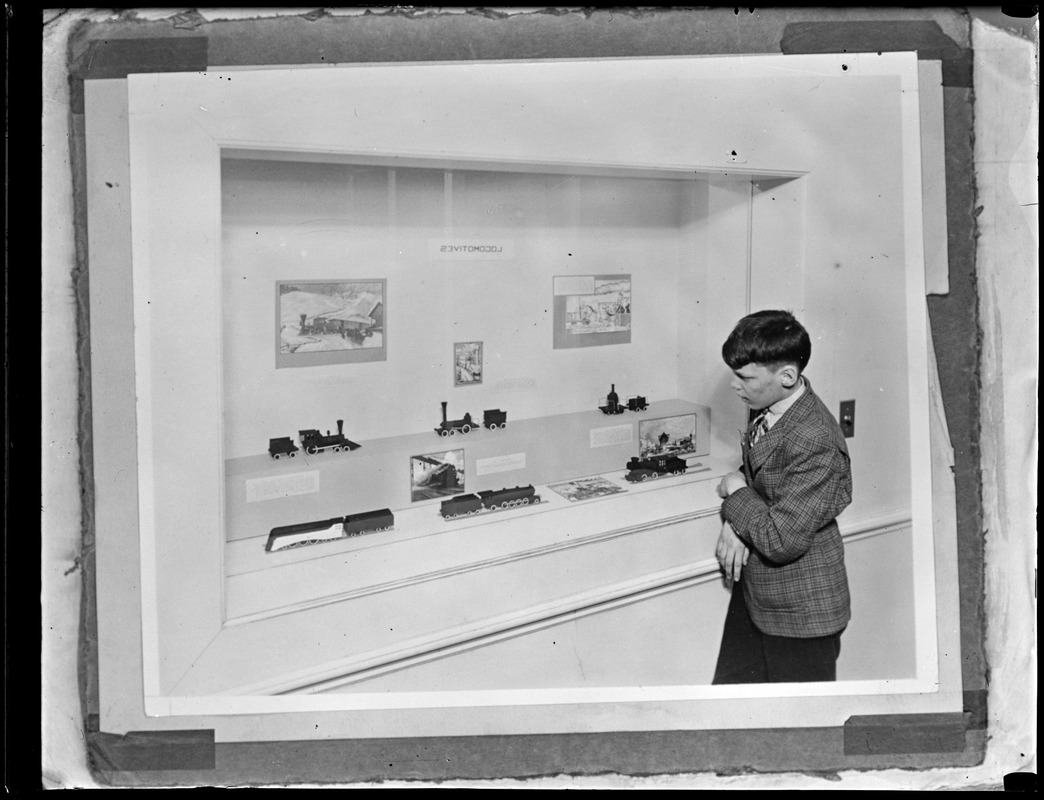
[93, 58]
[923, 36]
[137, 751]
[895, 734]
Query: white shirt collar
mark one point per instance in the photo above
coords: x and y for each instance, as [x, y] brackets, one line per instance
[776, 410]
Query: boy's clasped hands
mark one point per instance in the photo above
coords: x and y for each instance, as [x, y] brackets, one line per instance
[731, 552]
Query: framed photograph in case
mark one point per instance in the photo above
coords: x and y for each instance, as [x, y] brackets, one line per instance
[467, 363]
[330, 322]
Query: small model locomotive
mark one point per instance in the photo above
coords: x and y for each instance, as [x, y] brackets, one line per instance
[328, 530]
[494, 418]
[490, 500]
[450, 427]
[312, 442]
[612, 403]
[644, 469]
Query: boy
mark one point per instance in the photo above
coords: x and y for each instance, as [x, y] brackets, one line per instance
[786, 617]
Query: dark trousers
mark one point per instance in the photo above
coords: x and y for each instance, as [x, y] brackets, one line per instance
[749, 656]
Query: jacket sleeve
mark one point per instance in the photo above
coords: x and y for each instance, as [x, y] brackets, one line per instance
[814, 488]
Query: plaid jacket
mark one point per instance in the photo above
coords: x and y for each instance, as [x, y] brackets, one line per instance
[798, 480]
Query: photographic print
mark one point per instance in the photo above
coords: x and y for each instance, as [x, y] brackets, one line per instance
[436, 475]
[586, 489]
[667, 436]
[605, 309]
[467, 363]
[591, 310]
[330, 322]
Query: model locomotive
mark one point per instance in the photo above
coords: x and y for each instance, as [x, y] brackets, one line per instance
[449, 427]
[328, 530]
[644, 469]
[312, 442]
[612, 403]
[490, 500]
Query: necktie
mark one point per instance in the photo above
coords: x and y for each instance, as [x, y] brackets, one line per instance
[760, 427]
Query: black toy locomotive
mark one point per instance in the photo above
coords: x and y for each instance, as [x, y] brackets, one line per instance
[490, 500]
[328, 530]
[644, 469]
[612, 403]
[450, 427]
[312, 442]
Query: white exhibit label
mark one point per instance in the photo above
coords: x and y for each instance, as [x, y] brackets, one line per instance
[574, 284]
[488, 466]
[616, 434]
[470, 249]
[282, 486]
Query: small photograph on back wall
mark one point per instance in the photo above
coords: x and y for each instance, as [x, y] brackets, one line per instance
[467, 363]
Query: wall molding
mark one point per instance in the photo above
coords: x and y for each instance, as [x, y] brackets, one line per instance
[483, 633]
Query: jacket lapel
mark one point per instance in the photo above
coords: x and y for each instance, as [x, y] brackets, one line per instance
[755, 455]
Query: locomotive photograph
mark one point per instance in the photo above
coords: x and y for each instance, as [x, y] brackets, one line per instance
[674, 436]
[330, 316]
[436, 475]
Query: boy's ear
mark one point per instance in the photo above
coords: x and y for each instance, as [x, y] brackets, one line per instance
[788, 376]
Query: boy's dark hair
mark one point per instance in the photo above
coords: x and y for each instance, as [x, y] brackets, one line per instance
[770, 338]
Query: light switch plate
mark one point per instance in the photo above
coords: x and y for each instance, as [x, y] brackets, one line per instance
[847, 418]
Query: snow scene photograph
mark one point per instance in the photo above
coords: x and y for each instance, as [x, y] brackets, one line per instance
[319, 316]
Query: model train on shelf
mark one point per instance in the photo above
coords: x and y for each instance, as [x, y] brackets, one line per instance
[645, 469]
[491, 418]
[494, 418]
[312, 442]
[464, 505]
[329, 530]
[613, 405]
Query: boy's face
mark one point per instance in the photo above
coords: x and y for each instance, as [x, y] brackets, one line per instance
[760, 386]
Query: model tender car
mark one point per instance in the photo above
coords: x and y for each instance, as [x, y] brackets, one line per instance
[494, 418]
[282, 446]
